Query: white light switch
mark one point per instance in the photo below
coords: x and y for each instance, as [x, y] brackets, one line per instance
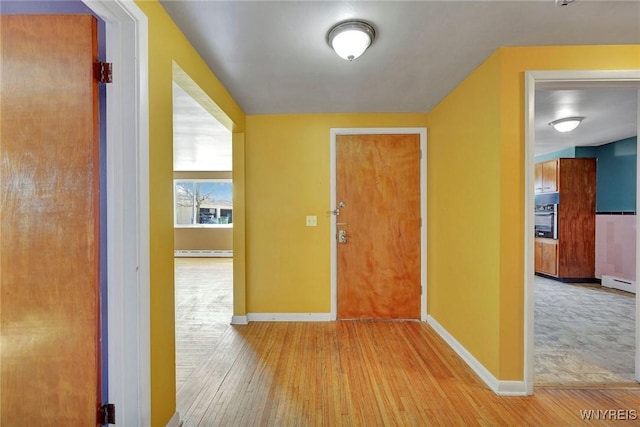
[312, 221]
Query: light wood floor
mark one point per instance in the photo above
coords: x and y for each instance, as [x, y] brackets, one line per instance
[360, 373]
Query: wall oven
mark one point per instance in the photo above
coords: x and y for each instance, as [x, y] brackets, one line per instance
[546, 215]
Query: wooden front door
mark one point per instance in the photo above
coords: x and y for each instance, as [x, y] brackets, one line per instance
[378, 195]
[49, 229]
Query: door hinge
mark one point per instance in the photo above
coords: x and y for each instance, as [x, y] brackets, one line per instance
[107, 414]
[103, 72]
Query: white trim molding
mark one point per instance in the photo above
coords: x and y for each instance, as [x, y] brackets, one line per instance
[563, 79]
[288, 317]
[175, 420]
[503, 388]
[333, 133]
[127, 171]
[239, 320]
[202, 253]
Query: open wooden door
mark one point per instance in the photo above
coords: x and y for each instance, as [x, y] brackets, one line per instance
[378, 255]
[49, 229]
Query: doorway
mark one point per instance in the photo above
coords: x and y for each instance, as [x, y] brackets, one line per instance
[203, 233]
[550, 80]
[337, 222]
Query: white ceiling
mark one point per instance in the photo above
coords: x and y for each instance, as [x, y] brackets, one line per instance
[200, 142]
[273, 58]
[610, 115]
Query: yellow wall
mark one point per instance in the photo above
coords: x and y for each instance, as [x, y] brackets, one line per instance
[475, 196]
[288, 178]
[476, 280]
[463, 216]
[166, 45]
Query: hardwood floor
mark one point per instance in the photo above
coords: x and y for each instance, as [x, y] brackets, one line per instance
[204, 306]
[365, 373]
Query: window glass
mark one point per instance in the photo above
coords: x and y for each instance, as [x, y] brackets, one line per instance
[203, 203]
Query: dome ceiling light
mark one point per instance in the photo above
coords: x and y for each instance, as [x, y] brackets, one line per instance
[567, 124]
[351, 38]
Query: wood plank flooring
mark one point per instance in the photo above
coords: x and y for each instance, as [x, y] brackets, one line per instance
[366, 373]
[204, 306]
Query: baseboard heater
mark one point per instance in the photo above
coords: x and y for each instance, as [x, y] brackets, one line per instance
[618, 283]
[203, 253]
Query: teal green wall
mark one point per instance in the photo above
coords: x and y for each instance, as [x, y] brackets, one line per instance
[616, 176]
[566, 153]
[616, 185]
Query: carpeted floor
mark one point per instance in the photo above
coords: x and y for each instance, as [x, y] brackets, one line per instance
[583, 334]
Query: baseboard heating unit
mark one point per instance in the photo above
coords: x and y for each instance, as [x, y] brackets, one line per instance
[618, 283]
[203, 253]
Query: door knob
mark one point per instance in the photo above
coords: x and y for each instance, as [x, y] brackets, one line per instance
[342, 236]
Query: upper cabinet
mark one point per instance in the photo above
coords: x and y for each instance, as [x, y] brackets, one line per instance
[546, 177]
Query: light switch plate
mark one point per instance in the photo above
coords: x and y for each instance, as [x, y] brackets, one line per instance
[312, 221]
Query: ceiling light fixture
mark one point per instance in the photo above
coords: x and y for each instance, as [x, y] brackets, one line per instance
[561, 3]
[351, 38]
[567, 124]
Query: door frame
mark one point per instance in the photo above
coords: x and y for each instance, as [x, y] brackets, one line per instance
[562, 79]
[334, 132]
[127, 124]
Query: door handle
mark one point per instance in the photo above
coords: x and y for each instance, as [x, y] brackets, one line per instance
[342, 236]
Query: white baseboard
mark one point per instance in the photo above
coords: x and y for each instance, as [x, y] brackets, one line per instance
[175, 420]
[503, 388]
[289, 317]
[239, 320]
[619, 283]
[204, 253]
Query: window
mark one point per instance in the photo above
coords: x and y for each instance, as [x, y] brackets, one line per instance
[203, 203]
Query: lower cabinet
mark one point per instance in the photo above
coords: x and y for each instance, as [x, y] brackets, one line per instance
[546, 256]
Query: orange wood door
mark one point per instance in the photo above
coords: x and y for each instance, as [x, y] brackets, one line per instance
[49, 229]
[378, 184]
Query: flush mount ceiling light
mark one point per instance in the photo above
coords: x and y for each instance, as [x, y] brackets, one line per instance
[351, 38]
[561, 3]
[567, 124]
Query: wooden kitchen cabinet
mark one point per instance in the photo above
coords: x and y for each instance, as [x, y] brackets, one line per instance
[546, 256]
[572, 256]
[546, 177]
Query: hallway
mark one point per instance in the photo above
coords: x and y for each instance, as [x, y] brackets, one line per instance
[341, 373]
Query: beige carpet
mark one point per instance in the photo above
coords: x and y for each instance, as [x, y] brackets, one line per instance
[583, 334]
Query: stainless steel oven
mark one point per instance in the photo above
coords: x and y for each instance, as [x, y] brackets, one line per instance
[546, 221]
[546, 215]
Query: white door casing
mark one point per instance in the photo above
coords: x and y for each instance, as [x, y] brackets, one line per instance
[334, 132]
[555, 79]
[127, 210]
